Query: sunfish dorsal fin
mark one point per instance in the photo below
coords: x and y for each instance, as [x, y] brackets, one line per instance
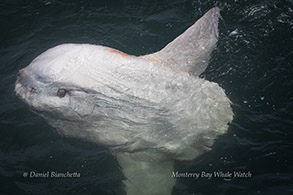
[191, 50]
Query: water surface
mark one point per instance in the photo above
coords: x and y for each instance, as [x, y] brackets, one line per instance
[252, 62]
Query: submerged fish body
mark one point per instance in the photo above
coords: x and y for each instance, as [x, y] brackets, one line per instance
[152, 109]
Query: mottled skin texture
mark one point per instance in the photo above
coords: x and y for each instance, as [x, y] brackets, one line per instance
[151, 110]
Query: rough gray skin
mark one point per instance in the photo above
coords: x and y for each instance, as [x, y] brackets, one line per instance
[151, 110]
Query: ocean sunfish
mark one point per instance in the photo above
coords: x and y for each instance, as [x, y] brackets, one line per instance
[150, 110]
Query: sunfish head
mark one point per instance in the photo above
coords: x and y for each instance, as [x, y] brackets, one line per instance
[43, 86]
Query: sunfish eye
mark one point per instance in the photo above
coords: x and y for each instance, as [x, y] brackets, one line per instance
[61, 93]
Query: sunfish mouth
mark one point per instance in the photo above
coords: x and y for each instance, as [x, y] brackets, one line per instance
[24, 87]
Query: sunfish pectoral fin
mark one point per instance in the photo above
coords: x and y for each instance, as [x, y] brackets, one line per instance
[83, 104]
[191, 50]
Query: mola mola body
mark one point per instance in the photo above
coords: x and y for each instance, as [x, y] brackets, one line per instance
[150, 110]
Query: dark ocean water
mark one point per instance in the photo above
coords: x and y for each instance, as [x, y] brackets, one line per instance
[252, 62]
